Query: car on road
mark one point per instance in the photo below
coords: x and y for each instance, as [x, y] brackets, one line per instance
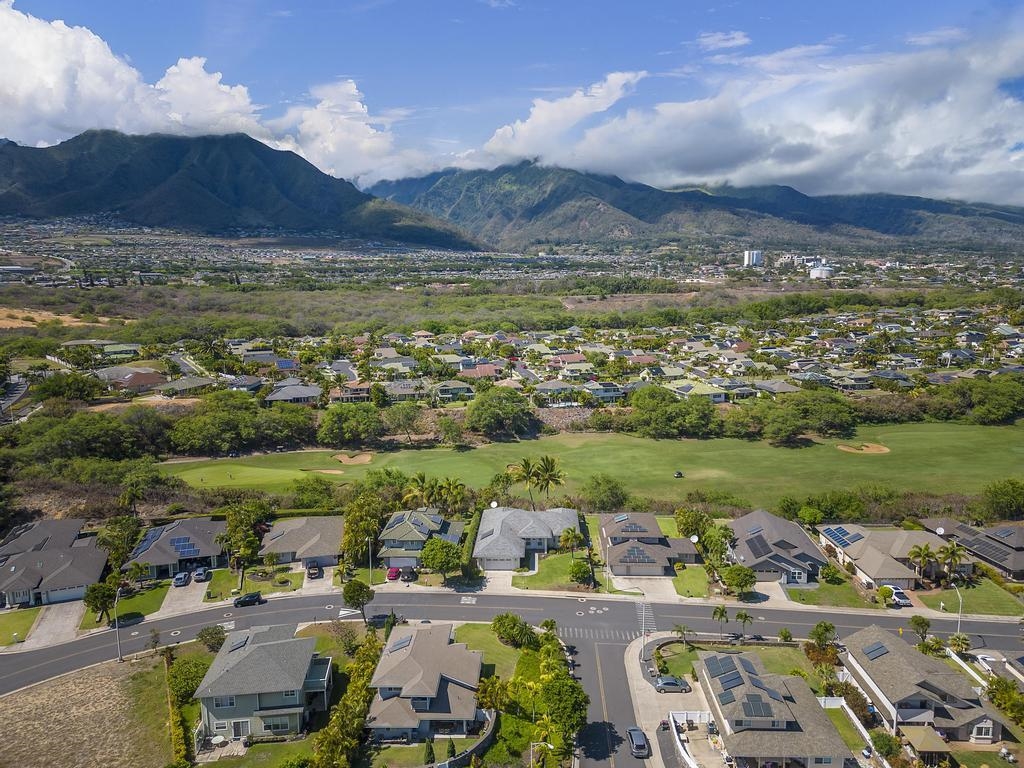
[409, 574]
[314, 571]
[181, 579]
[203, 574]
[394, 574]
[757, 638]
[638, 745]
[249, 598]
[671, 684]
[899, 597]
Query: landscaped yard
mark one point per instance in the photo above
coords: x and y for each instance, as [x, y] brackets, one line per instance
[224, 580]
[263, 755]
[499, 659]
[692, 581]
[144, 602]
[17, 621]
[957, 457]
[982, 596]
[981, 759]
[668, 526]
[552, 573]
[777, 660]
[846, 729]
[363, 574]
[840, 595]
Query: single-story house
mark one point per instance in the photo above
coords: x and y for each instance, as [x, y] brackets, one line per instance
[309, 540]
[51, 575]
[635, 546]
[1002, 546]
[507, 534]
[777, 549]
[882, 556]
[183, 545]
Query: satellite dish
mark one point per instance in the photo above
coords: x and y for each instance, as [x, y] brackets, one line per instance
[695, 538]
[940, 530]
[494, 505]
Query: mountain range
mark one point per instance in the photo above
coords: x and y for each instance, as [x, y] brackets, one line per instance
[526, 205]
[207, 184]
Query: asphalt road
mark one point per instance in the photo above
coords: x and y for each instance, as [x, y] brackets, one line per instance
[599, 630]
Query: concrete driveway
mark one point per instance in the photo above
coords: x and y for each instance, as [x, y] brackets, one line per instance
[56, 623]
[182, 599]
[657, 588]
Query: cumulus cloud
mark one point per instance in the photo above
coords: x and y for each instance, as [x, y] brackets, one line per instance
[715, 41]
[937, 36]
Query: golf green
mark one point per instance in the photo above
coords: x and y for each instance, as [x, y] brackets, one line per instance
[935, 457]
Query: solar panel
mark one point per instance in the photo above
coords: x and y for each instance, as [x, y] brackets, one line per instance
[726, 697]
[755, 529]
[620, 518]
[238, 643]
[855, 537]
[178, 540]
[747, 665]
[728, 664]
[634, 528]
[731, 680]
[1003, 533]
[713, 666]
[396, 520]
[636, 555]
[757, 709]
[772, 693]
[400, 643]
[875, 651]
[758, 546]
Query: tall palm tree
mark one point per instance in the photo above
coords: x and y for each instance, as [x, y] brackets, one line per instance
[950, 556]
[721, 615]
[570, 539]
[549, 474]
[683, 630]
[526, 472]
[453, 492]
[420, 491]
[922, 555]
[744, 618]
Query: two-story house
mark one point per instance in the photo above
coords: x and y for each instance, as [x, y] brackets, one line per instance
[507, 534]
[635, 546]
[264, 681]
[425, 686]
[406, 533]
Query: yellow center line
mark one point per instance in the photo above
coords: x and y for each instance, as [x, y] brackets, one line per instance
[604, 704]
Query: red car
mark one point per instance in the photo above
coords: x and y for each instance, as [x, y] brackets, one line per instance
[394, 573]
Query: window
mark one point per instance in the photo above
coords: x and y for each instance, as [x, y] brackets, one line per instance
[982, 731]
[276, 724]
[223, 702]
[289, 694]
[796, 575]
[220, 725]
[823, 761]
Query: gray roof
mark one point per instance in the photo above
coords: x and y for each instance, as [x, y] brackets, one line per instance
[417, 657]
[1002, 545]
[630, 525]
[305, 536]
[294, 392]
[259, 660]
[503, 529]
[156, 547]
[50, 569]
[763, 539]
[42, 534]
[186, 383]
[420, 525]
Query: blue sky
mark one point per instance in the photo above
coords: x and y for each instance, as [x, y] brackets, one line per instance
[915, 97]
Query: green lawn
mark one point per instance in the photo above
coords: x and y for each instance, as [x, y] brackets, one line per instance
[957, 457]
[692, 581]
[552, 573]
[980, 759]
[142, 603]
[841, 595]
[668, 526]
[148, 691]
[263, 755]
[224, 580]
[17, 620]
[499, 659]
[777, 660]
[846, 729]
[982, 596]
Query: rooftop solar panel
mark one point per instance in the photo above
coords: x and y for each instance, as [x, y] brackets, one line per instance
[400, 643]
[875, 651]
[621, 518]
[713, 666]
[855, 537]
[729, 664]
[748, 666]
[1003, 533]
[238, 643]
[726, 697]
[731, 680]
[755, 529]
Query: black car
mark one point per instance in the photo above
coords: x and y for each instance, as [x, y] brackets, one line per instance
[409, 574]
[314, 571]
[250, 598]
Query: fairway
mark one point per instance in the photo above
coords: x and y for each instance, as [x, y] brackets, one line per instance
[937, 457]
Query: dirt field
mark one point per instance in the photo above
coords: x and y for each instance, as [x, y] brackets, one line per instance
[626, 301]
[16, 318]
[173, 405]
[84, 720]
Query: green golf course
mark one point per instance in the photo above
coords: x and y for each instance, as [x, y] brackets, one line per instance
[937, 457]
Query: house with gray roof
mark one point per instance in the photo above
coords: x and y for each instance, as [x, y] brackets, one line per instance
[183, 545]
[635, 546]
[1001, 546]
[309, 540]
[405, 534]
[776, 549]
[507, 534]
[767, 719]
[910, 688]
[425, 686]
[48, 561]
[297, 394]
[264, 681]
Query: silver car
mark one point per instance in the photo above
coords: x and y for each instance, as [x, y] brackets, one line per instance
[638, 746]
[670, 684]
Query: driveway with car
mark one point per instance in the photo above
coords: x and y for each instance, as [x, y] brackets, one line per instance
[182, 599]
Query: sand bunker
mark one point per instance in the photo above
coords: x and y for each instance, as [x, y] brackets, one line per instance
[331, 471]
[864, 448]
[359, 458]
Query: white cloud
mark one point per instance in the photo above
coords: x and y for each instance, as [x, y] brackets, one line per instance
[937, 36]
[715, 41]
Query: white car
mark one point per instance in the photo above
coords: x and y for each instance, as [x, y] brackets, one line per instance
[899, 597]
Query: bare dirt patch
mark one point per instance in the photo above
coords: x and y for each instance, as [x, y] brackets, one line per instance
[28, 318]
[357, 458]
[85, 719]
[172, 406]
[863, 448]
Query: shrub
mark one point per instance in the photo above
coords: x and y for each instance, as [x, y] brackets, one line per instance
[831, 575]
[785, 635]
[212, 637]
[885, 744]
[428, 752]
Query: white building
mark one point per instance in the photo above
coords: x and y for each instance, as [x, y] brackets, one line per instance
[822, 273]
[753, 259]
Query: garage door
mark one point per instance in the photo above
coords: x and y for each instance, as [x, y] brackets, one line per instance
[402, 562]
[499, 565]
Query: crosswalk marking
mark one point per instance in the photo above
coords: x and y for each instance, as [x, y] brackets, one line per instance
[645, 617]
[598, 633]
[228, 625]
[468, 600]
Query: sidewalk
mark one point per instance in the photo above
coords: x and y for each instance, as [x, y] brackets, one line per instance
[649, 706]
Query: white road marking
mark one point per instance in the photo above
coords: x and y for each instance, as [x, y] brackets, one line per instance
[468, 600]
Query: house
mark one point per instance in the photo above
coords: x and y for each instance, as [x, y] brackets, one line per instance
[297, 394]
[186, 385]
[777, 549]
[450, 391]
[881, 556]
[264, 681]
[768, 720]
[406, 533]
[351, 392]
[48, 562]
[635, 546]
[1002, 547]
[246, 383]
[604, 391]
[309, 540]
[909, 688]
[425, 686]
[183, 545]
[507, 534]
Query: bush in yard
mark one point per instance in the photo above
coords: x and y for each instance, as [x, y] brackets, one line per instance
[428, 752]
[345, 634]
[831, 575]
[512, 630]
[579, 572]
[885, 744]
[854, 699]
[212, 637]
[184, 677]
[828, 655]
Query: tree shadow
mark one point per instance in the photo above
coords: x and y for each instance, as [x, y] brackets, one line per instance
[599, 740]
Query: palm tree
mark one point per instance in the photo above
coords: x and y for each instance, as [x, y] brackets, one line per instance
[826, 676]
[744, 618]
[959, 643]
[682, 630]
[420, 491]
[526, 472]
[548, 474]
[950, 556]
[570, 539]
[721, 615]
[137, 571]
[453, 492]
[921, 554]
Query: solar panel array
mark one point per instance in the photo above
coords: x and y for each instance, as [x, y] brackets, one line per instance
[758, 546]
[727, 697]
[772, 693]
[719, 665]
[841, 536]
[637, 555]
[987, 548]
[755, 529]
[147, 541]
[620, 518]
[748, 666]
[396, 520]
[634, 528]
[400, 643]
[731, 680]
[757, 708]
[184, 547]
[875, 651]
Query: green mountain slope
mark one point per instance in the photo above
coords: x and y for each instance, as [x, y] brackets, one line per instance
[209, 184]
[527, 204]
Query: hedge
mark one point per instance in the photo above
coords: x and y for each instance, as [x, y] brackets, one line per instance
[468, 564]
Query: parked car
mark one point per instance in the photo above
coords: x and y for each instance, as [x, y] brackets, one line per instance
[203, 574]
[394, 574]
[250, 598]
[678, 474]
[314, 571]
[181, 579]
[409, 574]
[638, 746]
[671, 684]
[899, 597]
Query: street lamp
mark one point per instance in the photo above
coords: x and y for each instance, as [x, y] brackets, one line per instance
[117, 628]
[952, 583]
[538, 744]
[369, 556]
